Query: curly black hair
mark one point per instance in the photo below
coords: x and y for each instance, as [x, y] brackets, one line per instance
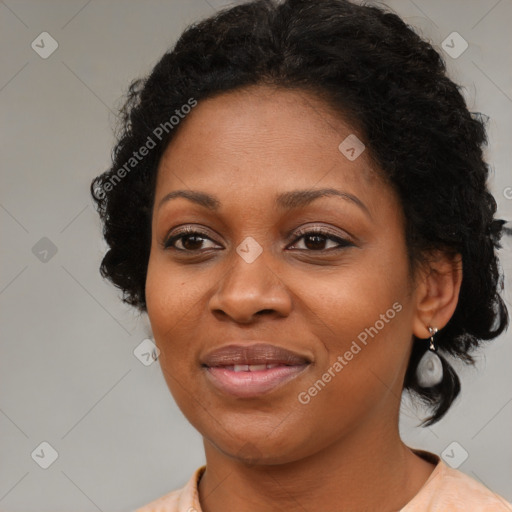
[367, 64]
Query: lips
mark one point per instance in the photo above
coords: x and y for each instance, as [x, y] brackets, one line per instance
[251, 356]
[248, 371]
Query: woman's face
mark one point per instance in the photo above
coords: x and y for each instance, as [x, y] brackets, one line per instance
[252, 273]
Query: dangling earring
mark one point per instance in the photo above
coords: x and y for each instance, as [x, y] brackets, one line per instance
[429, 372]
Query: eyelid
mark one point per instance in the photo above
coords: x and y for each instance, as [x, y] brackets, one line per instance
[321, 229]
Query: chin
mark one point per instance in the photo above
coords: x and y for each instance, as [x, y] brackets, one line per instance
[261, 446]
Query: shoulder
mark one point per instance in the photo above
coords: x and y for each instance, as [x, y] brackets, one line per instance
[451, 489]
[180, 500]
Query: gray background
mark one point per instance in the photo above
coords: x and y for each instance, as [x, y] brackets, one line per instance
[68, 374]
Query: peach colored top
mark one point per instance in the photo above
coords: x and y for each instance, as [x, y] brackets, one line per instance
[446, 490]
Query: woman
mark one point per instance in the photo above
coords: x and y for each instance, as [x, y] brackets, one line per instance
[298, 201]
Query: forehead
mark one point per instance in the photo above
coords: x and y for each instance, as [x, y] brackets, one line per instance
[263, 137]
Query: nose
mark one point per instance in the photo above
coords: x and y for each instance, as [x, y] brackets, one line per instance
[249, 290]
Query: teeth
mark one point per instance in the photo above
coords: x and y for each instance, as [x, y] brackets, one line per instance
[251, 367]
[256, 367]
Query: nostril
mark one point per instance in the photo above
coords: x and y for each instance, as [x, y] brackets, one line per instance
[264, 311]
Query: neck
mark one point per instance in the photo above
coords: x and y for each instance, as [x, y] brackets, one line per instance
[368, 469]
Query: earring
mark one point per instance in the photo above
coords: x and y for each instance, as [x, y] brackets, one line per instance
[429, 372]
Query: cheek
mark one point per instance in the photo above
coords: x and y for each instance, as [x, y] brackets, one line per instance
[169, 295]
[368, 314]
[168, 300]
[358, 298]
[363, 373]
[175, 307]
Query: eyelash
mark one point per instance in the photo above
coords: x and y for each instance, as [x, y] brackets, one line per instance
[301, 233]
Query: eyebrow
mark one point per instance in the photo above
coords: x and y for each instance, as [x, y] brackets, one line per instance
[286, 200]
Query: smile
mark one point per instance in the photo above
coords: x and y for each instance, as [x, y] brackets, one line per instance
[247, 371]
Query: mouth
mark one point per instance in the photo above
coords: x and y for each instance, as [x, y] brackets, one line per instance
[247, 371]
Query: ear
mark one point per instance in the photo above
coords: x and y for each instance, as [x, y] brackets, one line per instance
[437, 292]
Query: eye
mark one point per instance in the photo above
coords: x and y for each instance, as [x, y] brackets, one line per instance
[190, 239]
[313, 239]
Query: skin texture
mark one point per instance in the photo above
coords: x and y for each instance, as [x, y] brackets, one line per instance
[342, 450]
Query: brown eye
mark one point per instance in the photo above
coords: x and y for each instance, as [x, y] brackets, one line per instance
[315, 240]
[190, 240]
